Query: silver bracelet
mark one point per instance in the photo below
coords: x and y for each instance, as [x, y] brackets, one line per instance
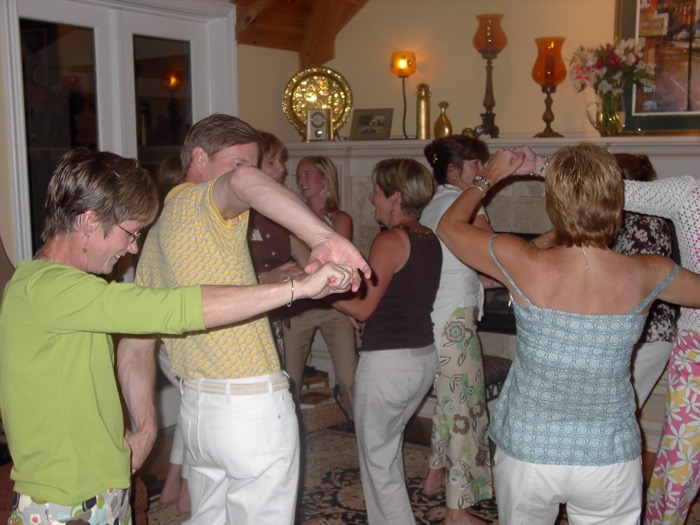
[479, 178]
[291, 299]
[545, 165]
[480, 188]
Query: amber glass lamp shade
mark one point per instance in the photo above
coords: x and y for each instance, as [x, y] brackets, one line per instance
[549, 69]
[403, 63]
[489, 36]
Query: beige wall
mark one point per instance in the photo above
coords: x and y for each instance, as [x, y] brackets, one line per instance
[440, 33]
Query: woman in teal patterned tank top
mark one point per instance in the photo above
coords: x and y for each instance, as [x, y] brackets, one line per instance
[565, 425]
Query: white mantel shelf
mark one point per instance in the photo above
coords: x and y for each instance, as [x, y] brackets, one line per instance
[664, 145]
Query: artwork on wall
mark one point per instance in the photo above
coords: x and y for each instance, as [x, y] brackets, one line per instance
[371, 124]
[670, 30]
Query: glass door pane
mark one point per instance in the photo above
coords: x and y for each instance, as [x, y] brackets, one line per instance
[58, 72]
[163, 92]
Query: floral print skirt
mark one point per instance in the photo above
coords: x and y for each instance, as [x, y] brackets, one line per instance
[459, 439]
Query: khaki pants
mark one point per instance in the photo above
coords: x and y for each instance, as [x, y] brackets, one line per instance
[339, 336]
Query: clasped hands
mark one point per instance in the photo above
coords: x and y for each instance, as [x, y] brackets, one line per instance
[511, 161]
[345, 259]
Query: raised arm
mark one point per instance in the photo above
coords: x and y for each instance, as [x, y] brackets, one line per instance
[248, 187]
[467, 241]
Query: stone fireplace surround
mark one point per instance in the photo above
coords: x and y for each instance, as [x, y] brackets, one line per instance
[515, 206]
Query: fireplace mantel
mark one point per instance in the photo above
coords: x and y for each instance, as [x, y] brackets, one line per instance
[516, 205]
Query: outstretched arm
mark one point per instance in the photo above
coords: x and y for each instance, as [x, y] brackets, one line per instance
[664, 198]
[221, 305]
[248, 187]
[389, 252]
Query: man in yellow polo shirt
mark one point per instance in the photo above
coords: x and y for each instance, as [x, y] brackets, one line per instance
[237, 416]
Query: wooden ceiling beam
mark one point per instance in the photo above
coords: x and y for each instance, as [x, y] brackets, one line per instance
[322, 27]
[246, 18]
[308, 27]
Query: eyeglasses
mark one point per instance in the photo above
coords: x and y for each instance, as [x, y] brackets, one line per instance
[133, 236]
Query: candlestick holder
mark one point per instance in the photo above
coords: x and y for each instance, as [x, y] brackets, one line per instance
[489, 40]
[549, 71]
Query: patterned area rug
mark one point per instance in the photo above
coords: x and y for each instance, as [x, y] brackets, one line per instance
[332, 492]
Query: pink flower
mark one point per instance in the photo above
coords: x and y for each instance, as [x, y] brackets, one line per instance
[608, 67]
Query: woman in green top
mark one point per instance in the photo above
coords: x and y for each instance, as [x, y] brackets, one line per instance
[58, 391]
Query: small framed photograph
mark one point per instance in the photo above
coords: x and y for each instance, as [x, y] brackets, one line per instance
[371, 124]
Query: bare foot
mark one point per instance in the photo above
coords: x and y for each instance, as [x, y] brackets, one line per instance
[171, 488]
[435, 481]
[462, 517]
[183, 502]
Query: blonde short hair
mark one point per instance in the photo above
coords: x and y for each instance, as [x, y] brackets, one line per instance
[409, 177]
[585, 195]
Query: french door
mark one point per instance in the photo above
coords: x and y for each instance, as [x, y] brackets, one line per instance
[124, 76]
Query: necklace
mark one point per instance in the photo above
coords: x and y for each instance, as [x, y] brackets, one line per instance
[40, 255]
[424, 233]
[585, 256]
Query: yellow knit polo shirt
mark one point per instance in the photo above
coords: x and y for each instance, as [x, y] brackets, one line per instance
[192, 244]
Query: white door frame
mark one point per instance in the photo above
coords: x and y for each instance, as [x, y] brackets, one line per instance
[213, 63]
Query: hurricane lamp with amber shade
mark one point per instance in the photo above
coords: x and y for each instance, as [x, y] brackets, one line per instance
[403, 64]
[549, 71]
[489, 40]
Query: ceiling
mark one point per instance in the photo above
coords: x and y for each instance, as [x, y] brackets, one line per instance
[308, 27]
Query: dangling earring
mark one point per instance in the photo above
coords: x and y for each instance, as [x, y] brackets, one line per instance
[86, 241]
[325, 193]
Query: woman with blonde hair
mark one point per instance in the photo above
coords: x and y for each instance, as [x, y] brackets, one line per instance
[398, 358]
[564, 424]
[317, 183]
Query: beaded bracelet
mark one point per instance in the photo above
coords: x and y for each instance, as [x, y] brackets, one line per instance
[545, 165]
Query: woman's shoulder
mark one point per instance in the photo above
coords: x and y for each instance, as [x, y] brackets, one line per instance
[340, 215]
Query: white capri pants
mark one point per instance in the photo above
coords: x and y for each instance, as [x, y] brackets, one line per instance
[529, 493]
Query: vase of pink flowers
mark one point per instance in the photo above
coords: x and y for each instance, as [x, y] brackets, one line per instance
[607, 68]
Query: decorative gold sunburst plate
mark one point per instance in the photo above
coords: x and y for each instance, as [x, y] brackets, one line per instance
[317, 88]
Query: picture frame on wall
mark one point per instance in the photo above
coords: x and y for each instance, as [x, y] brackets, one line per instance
[371, 124]
[671, 35]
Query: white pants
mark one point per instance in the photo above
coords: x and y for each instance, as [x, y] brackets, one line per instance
[243, 456]
[649, 360]
[389, 387]
[529, 493]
